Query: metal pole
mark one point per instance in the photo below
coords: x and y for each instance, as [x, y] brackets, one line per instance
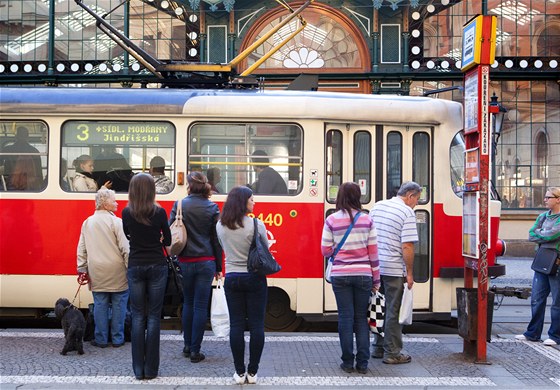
[126, 58]
[50, 54]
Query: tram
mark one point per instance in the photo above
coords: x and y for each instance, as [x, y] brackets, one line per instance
[314, 140]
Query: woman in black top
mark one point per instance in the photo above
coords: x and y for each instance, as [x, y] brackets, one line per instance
[200, 261]
[145, 225]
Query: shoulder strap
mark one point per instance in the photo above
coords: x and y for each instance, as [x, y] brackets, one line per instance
[179, 214]
[256, 231]
[346, 235]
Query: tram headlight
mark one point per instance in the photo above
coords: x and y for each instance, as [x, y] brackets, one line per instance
[500, 247]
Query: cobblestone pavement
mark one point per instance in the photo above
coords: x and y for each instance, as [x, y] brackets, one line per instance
[30, 359]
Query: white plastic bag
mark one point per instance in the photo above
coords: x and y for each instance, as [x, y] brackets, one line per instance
[328, 271]
[405, 314]
[219, 315]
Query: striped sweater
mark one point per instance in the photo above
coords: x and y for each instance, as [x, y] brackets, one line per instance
[358, 255]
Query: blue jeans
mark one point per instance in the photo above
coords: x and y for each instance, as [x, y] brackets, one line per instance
[115, 314]
[197, 285]
[391, 344]
[246, 296]
[543, 285]
[352, 299]
[147, 289]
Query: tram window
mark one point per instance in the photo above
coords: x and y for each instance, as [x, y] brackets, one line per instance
[264, 156]
[421, 164]
[457, 163]
[421, 269]
[95, 152]
[23, 156]
[334, 164]
[394, 163]
[362, 164]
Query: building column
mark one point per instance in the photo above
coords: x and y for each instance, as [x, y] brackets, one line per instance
[375, 51]
[405, 39]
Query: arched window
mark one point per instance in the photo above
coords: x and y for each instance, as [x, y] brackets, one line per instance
[540, 180]
[329, 41]
[541, 146]
[548, 42]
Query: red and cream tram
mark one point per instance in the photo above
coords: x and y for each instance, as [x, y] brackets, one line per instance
[315, 141]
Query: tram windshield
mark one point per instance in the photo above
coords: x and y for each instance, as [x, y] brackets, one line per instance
[457, 163]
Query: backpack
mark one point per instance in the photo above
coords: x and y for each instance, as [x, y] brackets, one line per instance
[178, 232]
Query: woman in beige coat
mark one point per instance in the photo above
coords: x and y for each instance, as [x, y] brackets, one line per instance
[103, 256]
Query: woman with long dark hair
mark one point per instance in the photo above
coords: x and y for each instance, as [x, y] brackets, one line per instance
[355, 273]
[200, 261]
[246, 293]
[145, 225]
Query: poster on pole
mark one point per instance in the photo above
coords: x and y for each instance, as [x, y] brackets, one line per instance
[472, 166]
[471, 102]
[471, 217]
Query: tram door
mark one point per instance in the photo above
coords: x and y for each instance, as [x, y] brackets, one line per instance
[379, 158]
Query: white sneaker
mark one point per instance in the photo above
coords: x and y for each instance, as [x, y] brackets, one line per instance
[251, 379]
[520, 337]
[548, 342]
[239, 379]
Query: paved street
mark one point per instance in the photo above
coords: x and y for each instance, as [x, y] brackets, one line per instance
[30, 359]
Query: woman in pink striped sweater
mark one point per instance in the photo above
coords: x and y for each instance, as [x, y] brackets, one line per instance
[355, 273]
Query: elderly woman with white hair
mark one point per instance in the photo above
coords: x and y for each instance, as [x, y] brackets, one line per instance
[103, 258]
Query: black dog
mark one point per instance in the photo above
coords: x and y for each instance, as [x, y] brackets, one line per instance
[73, 323]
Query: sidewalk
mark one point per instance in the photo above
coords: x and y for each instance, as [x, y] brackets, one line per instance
[31, 360]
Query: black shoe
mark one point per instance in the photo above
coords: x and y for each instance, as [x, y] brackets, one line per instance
[118, 345]
[197, 357]
[93, 343]
[346, 369]
[361, 370]
[377, 354]
[187, 352]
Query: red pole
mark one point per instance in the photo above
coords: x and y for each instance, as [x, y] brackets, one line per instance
[484, 159]
[478, 53]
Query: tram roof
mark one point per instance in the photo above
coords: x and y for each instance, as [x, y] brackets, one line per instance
[231, 103]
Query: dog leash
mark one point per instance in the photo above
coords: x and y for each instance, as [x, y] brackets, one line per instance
[83, 278]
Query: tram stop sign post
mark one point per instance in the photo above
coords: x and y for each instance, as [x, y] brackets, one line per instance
[478, 53]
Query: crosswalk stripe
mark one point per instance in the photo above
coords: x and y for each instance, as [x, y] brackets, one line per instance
[264, 381]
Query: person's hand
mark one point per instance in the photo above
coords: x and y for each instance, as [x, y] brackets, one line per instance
[83, 278]
[108, 184]
[409, 281]
[375, 288]
[218, 276]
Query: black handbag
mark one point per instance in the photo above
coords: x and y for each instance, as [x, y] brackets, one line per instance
[260, 259]
[174, 285]
[545, 261]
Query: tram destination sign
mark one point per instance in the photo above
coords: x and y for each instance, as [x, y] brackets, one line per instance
[79, 133]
